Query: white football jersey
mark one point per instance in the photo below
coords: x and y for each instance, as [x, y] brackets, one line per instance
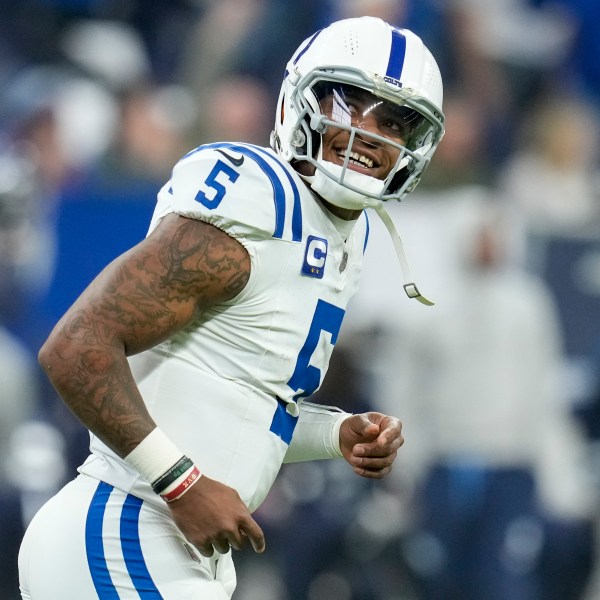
[227, 388]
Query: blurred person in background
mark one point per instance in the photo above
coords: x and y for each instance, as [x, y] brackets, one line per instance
[506, 54]
[18, 257]
[24, 240]
[37, 448]
[246, 40]
[552, 182]
[552, 186]
[237, 108]
[150, 134]
[61, 123]
[465, 164]
[20, 243]
[219, 48]
[498, 459]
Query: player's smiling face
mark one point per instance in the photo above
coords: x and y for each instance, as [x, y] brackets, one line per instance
[368, 113]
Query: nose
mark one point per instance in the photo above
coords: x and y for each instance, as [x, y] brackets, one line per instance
[365, 121]
[368, 123]
[365, 140]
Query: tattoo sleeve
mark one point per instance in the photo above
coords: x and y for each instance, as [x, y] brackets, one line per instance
[138, 301]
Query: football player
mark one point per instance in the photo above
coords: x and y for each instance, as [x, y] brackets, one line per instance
[191, 357]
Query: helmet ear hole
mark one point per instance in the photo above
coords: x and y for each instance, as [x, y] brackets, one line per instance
[316, 142]
[301, 142]
[400, 178]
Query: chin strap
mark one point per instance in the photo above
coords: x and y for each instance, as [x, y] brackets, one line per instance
[409, 286]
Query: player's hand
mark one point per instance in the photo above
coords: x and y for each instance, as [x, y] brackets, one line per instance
[370, 442]
[212, 517]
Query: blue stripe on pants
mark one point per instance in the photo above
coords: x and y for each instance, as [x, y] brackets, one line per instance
[94, 545]
[130, 544]
[132, 549]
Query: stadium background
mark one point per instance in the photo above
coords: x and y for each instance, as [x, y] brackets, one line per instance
[99, 98]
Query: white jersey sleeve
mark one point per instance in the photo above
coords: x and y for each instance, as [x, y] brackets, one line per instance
[317, 433]
[233, 187]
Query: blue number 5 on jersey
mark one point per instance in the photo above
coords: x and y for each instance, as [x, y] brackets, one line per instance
[213, 183]
[306, 378]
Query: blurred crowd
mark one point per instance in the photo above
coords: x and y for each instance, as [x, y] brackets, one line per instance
[495, 495]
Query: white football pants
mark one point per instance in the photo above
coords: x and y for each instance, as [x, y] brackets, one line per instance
[92, 541]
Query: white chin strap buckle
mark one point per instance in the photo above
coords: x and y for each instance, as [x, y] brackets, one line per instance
[411, 289]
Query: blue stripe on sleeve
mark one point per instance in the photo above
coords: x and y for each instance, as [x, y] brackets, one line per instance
[367, 232]
[132, 550]
[94, 545]
[397, 53]
[297, 210]
[278, 189]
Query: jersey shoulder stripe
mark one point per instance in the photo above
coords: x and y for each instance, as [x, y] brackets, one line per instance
[367, 230]
[297, 207]
[272, 167]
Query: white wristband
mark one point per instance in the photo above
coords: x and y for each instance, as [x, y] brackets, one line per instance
[153, 456]
[317, 433]
[335, 434]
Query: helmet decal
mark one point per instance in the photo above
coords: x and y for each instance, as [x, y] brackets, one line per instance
[397, 54]
[306, 47]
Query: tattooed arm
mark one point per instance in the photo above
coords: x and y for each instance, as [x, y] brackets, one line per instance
[138, 301]
[183, 267]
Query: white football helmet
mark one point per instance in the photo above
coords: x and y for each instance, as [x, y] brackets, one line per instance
[399, 81]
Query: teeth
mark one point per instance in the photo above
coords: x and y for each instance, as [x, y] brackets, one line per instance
[360, 159]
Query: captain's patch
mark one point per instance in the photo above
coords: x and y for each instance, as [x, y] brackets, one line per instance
[315, 257]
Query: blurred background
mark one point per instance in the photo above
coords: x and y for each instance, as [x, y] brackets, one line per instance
[495, 493]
